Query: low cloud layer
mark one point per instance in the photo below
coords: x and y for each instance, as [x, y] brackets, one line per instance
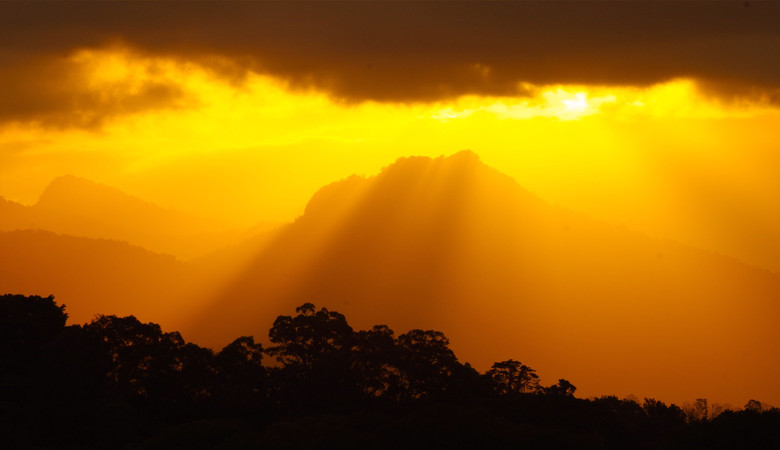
[56, 92]
[394, 51]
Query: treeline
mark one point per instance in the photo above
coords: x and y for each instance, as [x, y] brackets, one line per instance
[119, 383]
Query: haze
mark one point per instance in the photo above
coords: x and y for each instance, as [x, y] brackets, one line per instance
[193, 131]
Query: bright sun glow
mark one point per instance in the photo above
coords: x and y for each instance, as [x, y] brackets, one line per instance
[272, 146]
[578, 104]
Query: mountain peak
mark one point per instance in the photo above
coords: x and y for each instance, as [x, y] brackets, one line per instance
[413, 184]
[81, 207]
[466, 155]
[462, 158]
[70, 190]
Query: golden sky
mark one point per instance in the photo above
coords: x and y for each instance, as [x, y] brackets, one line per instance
[658, 116]
[669, 158]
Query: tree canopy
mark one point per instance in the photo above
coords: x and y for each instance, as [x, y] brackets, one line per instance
[121, 382]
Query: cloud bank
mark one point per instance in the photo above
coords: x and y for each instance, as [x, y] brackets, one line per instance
[392, 51]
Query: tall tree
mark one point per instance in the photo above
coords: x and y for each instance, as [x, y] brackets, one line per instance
[376, 357]
[305, 339]
[426, 362]
[512, 376]
[315, 350]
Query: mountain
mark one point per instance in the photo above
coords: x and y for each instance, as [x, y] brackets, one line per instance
[15, 216]
[447, 244]
[93, 276]
[454, 245]
[79, 207]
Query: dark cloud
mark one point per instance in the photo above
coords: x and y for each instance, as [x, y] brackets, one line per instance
[53, 91]
[404, 51]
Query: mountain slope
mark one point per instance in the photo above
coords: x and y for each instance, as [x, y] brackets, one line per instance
[453, 245]
[93, 276]
[79, 207]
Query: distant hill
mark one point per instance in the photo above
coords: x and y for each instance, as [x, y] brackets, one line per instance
[93, 276]
[79, 207]
[454, 245]
[14, 216]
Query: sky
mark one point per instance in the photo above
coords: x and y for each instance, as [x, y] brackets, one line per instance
[658, 116]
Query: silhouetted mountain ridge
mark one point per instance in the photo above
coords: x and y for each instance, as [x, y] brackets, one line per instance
[92, 275]
[69, 191]
[453, 244]
[80, 207]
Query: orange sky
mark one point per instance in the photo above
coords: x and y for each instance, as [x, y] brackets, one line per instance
[666, 159]
[660, 117]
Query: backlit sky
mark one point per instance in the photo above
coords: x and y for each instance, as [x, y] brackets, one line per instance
[662, 116]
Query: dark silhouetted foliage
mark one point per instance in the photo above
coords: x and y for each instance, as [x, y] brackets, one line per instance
[117, 382]
[514, 377]
[562, 387]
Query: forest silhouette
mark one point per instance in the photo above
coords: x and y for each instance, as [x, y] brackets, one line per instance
[117, 382]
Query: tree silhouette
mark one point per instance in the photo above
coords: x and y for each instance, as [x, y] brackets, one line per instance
[305, 339]
[514, 377]
[120, 383]
[754, 405]
[562, 387]
[376, 358]
[148, 363]
[314, 348]
[26, 323]
[241, 379]
[698, 411]
[426, 363]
